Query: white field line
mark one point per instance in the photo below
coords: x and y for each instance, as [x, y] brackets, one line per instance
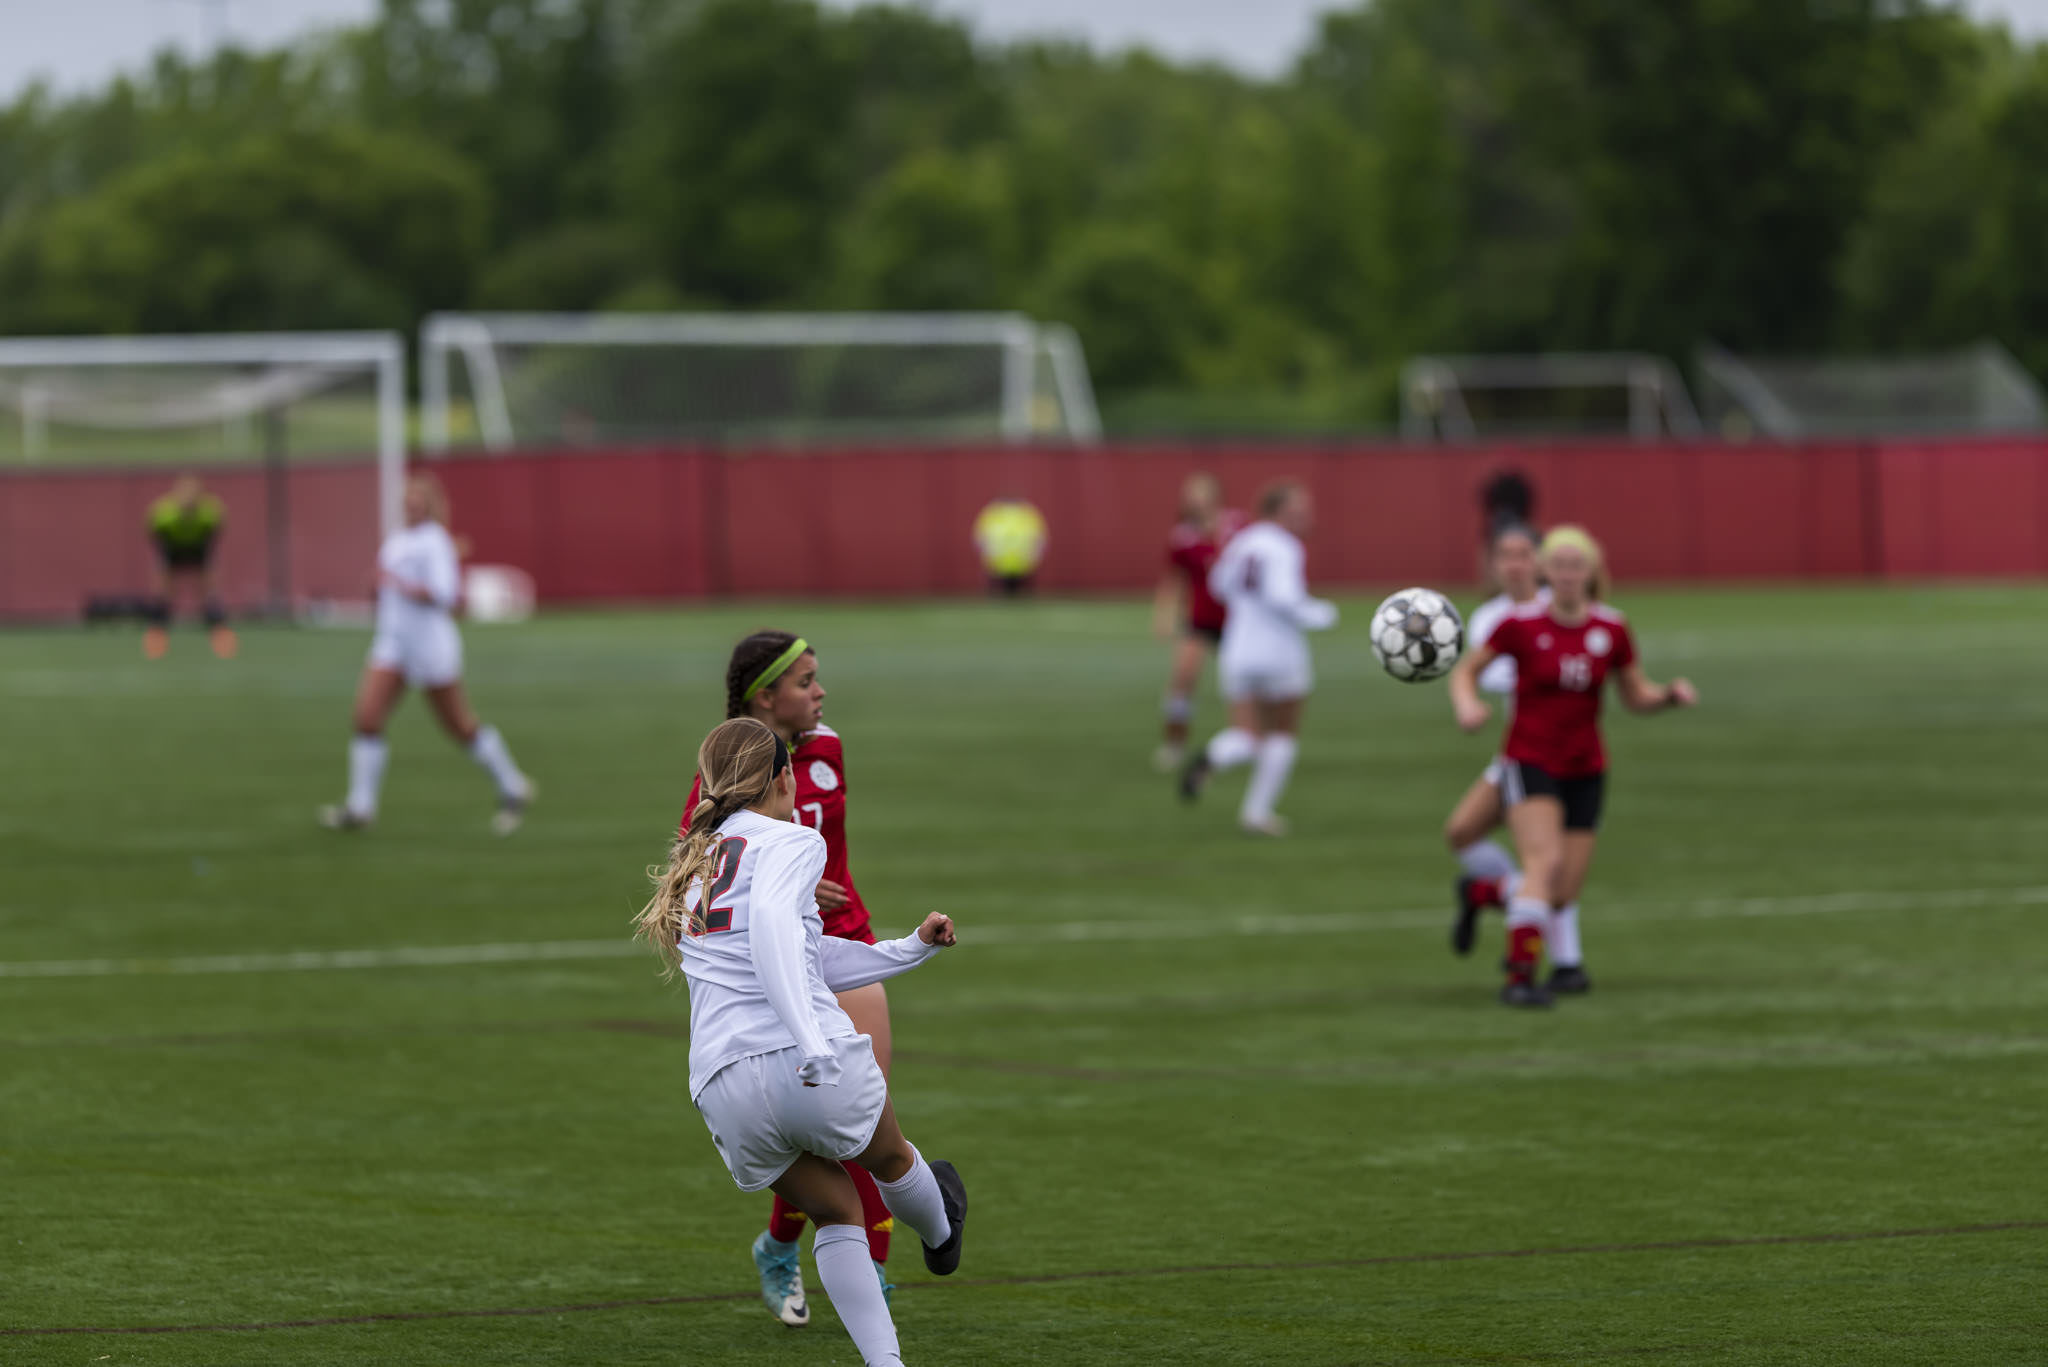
[1054, 932]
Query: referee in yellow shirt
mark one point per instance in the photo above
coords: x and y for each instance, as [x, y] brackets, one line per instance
[1010, 534]
[185, 526]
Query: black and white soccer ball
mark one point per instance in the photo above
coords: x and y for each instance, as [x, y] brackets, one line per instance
[1417, 635]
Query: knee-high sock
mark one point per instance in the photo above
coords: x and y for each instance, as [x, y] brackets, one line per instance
[785, 1222]
[1231, 747]
[914, 1199]
[490, 751]
[366, 756]
[1526, 916]
[849, 1279]
[874, 1211]
[1486, 859]
[1564, 937]
[1269, 777]
[1180, 710]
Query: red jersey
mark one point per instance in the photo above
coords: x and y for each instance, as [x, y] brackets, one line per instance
[821, 804]
[1193, 551]
[1559, 673]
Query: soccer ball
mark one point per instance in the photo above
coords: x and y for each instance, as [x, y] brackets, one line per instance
[1417, 635]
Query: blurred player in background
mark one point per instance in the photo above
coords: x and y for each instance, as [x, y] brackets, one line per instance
[1554, 767]
[786, 1083]
[1010, 534]
[185, 526]
[419, 589]
[1264, 660]
[773, 678]
[1184, 610]
[1490, 875]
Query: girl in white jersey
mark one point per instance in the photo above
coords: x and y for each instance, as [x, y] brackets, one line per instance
[1263, 664]
[419, 588]
[786, 1085]
[1488, 872]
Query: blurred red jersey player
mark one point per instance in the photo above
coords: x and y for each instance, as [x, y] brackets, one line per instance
[1184, 610]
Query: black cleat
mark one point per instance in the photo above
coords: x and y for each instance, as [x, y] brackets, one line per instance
[1532, 996]
[1465, 929]
[944, 1260]
[1570, 981]
[1195, 777]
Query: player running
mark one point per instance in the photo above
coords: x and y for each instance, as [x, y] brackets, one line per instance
[1264, 661]
[1489, 871]
[1183, 606]
[419, 589]
[787, 1084]
[1554, 767]
[185, 526]
[773, 678]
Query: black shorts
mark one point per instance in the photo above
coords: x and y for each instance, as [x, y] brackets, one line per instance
[1213, 635]
[1582, 797]
[185, 557]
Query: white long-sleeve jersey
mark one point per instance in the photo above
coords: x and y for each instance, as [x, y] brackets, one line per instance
[763, 972]
[423, 555]
[1499, 674]
[1261, 579]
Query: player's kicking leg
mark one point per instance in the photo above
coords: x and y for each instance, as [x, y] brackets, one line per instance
[488, 749]
[1278, 722]
[1489, 875]
[379, 692]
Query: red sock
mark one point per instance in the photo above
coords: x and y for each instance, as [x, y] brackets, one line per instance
[1525, 947]
[1486, 893]
[873, 1212]
[786, 1223]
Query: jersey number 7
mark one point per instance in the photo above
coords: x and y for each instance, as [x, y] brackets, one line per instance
[725, 867]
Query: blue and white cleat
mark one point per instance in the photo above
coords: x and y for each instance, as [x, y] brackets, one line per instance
[782, 1281]
[888, 1287]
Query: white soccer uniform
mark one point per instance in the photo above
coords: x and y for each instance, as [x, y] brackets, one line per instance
[419, 639]
[1260, 579]
[763, 1019]
[1499, 674]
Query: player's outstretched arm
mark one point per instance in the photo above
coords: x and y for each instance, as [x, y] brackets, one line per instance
[849, 963]
[1640, 693]
[1470, 708]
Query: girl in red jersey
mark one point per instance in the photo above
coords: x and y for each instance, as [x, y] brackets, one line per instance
[1185, 606]
[773, 677]
[1554, 767]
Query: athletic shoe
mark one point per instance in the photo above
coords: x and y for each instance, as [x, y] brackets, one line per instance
[944, 1260]
[1465, 929]
[1571, 980]
[1195, 777]
[1169, 757]
[223, 642]
[782, 1282]
[888, 1287]
[156, 643]
[336, 817]
[511, 813]
[1275, 826]
[1530, 995]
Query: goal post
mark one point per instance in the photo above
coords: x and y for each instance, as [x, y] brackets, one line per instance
[88, 423]
[1979, 388]
[584, 377]
[1468, 398]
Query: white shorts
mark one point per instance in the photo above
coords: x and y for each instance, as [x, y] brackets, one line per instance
[1495, 768]
[1268, 680]
[428, 654]
[761, 1117]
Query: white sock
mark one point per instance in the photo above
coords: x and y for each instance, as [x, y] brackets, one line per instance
[1527, 911]
[1564, 936]
[914, 1199]
[488, 750]
[1179, 707]
[849, 1279]
[1269, 777]
[366, 756]
[1231, 747]
[1486, 859]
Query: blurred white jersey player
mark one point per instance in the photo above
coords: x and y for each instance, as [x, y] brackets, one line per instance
[1263, 663]
[417, 645]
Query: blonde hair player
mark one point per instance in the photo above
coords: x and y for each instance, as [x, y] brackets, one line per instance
[416, 644]
[1264, 661]
[1554, 766]
[787, 1086]
[1487, 872]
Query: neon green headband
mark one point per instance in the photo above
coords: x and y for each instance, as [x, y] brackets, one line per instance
[796, 651]
[1572, 538]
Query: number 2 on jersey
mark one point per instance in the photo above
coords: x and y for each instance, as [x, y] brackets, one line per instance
[725, 867]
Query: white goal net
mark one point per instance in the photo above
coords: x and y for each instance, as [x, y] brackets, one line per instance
[301, 435]
[501, 380]
[1472, 398]
[1975, 389]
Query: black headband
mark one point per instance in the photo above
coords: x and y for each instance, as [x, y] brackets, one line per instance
[781, 758]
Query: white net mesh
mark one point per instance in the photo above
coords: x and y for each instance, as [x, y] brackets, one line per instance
[1978, 389]
[1471, 398]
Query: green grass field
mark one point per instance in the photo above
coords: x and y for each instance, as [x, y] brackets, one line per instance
[1217, 1101]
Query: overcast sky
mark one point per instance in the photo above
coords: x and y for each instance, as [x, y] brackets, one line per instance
[78, 43]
